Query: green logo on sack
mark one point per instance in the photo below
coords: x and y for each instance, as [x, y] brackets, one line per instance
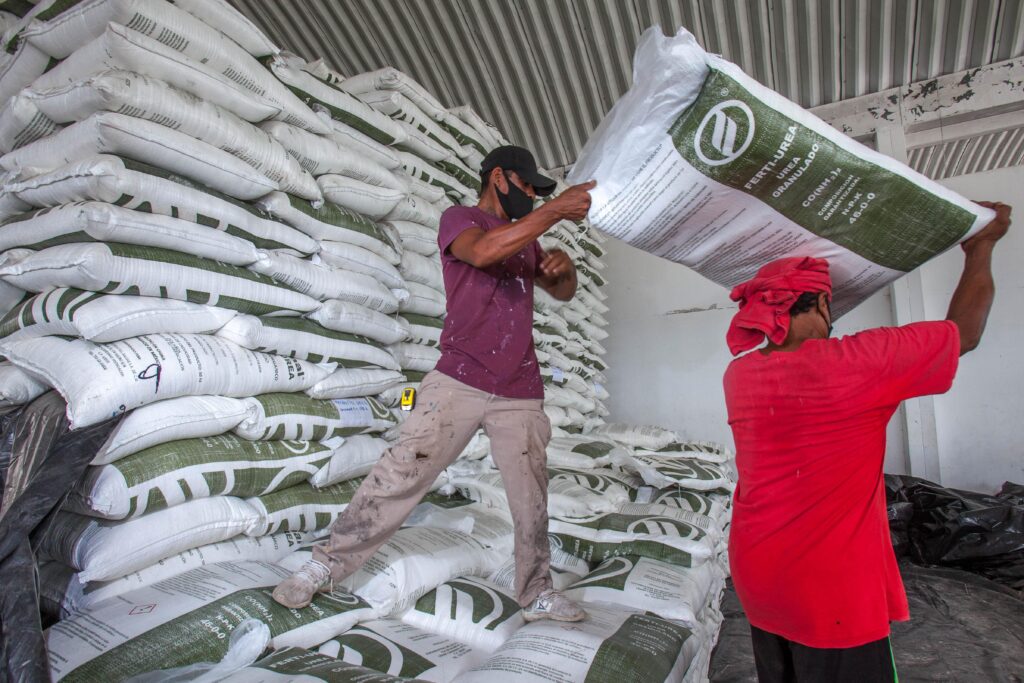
[725, 133]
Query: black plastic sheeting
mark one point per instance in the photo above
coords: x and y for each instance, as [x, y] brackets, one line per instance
[933, 525]
[40, 460]
[963, 627]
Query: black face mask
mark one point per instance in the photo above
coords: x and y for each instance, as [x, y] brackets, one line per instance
[515, 203]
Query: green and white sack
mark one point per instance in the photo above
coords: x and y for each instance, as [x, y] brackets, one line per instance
[355, 318]
[354, 458]
[602, 482]
[173, 473]
[134, 185]
[565, 497]
[688, 473]
[423, 269]
[399, 649]
[305, 340]
[363, 145]
[421, 188]
[416, 210]
[417, 238]
[357, 259]
[75, 27]
[149, 271]
[469, 609]
[372, 201]
[341, 105]
[189, 618]
[102, 550]
[147, 98]
[613, 535]
[707, 451]
[18, 387]
[355, 382]
[21, 122]
[415, 357]
[641, 583]
[292, 664]
[98, 222]
[390, 78]
[232, 23]
[423, 300]
[188, 417]
[19, 68]
[416, 560]
[112, 133]
[329, 222]
[740, 175]
[300, 508]
[675, 497]
[297, 416]
[611, 646]
[399, 107]
[648, 437]
[422, 170]
[423, 329]
[100, 381]
[60, 584]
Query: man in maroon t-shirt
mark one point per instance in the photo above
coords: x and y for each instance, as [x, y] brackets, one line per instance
[487, 376]
[809, 545]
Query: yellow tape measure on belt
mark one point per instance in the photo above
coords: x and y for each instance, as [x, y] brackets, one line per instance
[408, 401]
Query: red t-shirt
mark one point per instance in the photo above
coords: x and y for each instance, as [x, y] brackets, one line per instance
[487, 340]
[809, 547]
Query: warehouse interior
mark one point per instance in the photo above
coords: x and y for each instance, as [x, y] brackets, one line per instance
[632, 366]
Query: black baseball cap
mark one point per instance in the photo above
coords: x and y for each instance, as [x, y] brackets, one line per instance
[518, 159]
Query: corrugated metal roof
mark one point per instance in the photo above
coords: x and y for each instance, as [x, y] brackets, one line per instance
[546, 71]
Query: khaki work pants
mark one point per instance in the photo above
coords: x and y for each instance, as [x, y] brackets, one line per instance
[447, 415]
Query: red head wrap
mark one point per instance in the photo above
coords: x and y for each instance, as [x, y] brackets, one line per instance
[766, 299]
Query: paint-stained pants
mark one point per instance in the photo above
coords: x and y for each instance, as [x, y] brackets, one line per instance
[447, 415]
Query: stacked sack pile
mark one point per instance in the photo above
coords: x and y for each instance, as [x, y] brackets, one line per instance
[236, 250]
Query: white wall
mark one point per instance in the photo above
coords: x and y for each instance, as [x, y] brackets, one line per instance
[667, 352]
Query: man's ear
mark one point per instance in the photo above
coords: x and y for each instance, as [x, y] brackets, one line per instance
[824, 307]
[498, 180]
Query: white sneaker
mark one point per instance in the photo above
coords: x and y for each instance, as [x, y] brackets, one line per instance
[298, 589]
[553, 605]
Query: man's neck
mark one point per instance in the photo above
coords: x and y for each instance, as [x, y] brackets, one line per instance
[489, 204]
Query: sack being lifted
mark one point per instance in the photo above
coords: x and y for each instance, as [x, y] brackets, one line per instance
[700, 164]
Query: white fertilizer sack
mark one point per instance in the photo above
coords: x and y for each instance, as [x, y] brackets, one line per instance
[326, 222]
[20, 68]
[150, 271]
[151, 143]
[189, 618]
[187, 417]
[612, 535]
[424, 330]
[679, 498]
[147, 98]
[372, 201]
[416, 210]
[469, 609]
[363, 145]
[399, 107]
[390, 78]
[21, 122]
[638, 436]
[297, 416]
[423, 269]
[601, 482]
[700, 164]
[662, 472]
[173, 473]
[707, 451]
[417, 238]
[399, 649]
[134, 185]
[612, 645]
[300, 508]
[105, 318]
[354, 458]
[644, 584]
[361, 318]
[305, 340]
[293, 664]
[61, 584]
[310, 277]
[220, 15]
[124, 49]
[416, 357]
[416, 560]
[103, 550]
[354, 382]
[100, 381]
[99, 222]
[18, 387]
[565, 497]
[357, 259]
[72, 29]
[423, 300]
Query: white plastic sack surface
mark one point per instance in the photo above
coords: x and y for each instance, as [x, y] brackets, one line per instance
[355, 318]
[99, 381]
[18, 387]
[102, 550]
[700, 164]
[469, 609]
[354, 458]
[187, 417]
[188, 618]
[423, 300]
[355, 258]
[297, 416]
[354, 382]
[638, 436]
[300, 508]
[415, 357]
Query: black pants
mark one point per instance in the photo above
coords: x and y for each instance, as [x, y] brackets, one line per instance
[782, 661]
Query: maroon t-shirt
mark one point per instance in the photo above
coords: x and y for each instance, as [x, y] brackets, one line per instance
[487, 341]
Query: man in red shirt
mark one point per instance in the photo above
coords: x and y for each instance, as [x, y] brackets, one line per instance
[487, 376]
[809, 546]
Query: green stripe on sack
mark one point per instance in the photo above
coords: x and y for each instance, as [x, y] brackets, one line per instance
[461, 174]
[309, 327]
[426, 321]
[340, 217]
[345, 116]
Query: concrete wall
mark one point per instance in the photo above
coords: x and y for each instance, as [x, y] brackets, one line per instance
[667, 352]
